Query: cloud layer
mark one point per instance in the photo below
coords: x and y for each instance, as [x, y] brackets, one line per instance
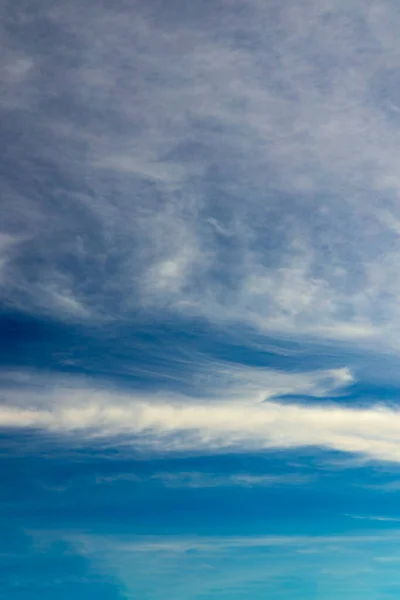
[242, 169]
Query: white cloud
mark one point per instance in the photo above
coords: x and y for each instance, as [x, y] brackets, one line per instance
[169, 423]
[375, 518]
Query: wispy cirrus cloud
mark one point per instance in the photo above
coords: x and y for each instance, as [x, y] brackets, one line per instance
[194, 480]
[232, 564]
[181, 544]
[204, 427]
[211, 379]
[388, 486]
[375, 518]
[245, 173]
[237, 420]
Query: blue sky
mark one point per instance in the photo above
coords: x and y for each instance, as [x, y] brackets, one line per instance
[199, 300]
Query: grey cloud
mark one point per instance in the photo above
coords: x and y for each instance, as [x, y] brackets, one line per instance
[242, 169]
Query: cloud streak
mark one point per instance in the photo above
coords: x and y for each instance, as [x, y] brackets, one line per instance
[177, 423]
[200, 479]
[375, 518]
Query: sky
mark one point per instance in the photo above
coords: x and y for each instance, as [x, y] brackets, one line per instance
[199, 299]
